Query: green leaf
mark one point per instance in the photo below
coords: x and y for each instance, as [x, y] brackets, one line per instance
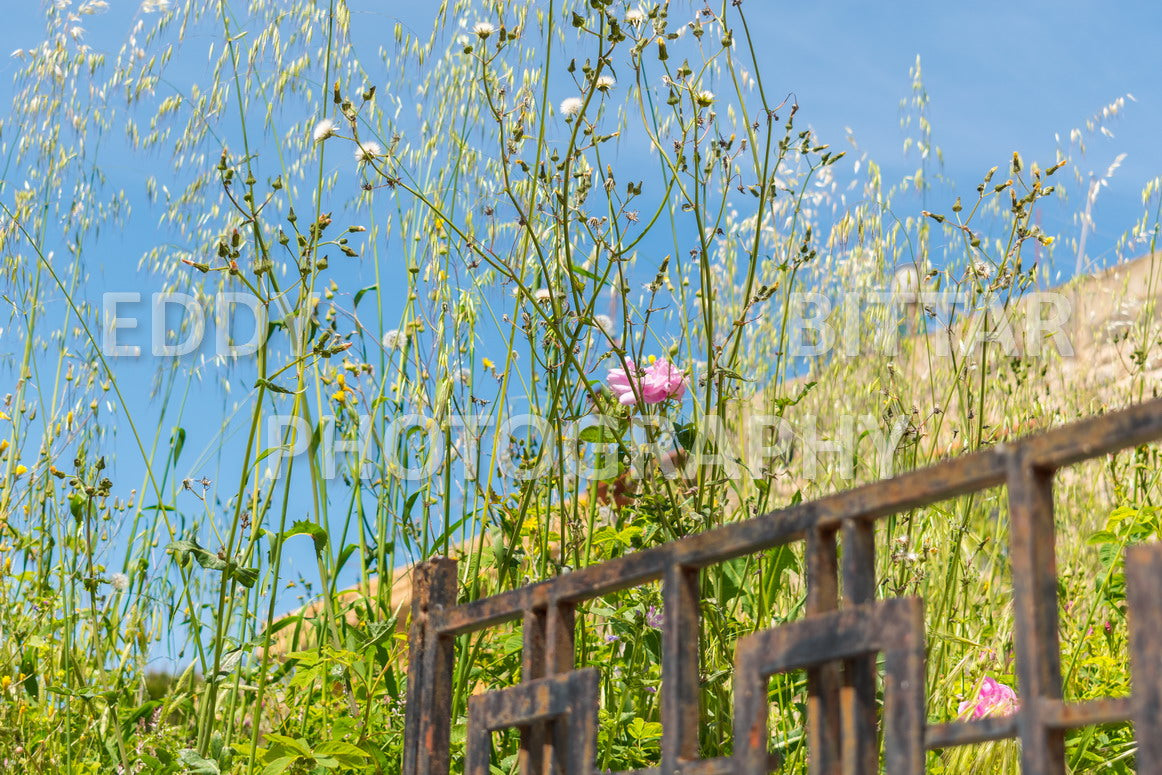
[597, 434]
[722, 371]
[344, 555]
[305, 676]
[196, 764]
[280, 765]
[783, 403]
[178, 442]
[347, 754]
[1102, 537]
[245, 576]
[28, 668]
[316, 532]
[640, 729]
[575, 269]
[359, 293]
[77, 502]
[184, 550]
[379, 632]
[685, 434]
[139, 713]
[229, 663]
[304, 658]
[266, 383]
[295, 744]
[84, 694]
[264, 454]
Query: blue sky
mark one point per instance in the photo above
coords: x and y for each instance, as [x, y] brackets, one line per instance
[1002, 76]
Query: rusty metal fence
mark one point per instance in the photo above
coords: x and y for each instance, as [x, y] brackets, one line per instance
[838, 641]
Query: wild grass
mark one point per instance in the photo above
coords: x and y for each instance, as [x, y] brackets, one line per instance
[511, 199]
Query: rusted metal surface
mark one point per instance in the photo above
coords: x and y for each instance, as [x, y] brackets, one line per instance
[844, 630]
[680, 690]
[566, 704]
[1144, 592]
[894, 628]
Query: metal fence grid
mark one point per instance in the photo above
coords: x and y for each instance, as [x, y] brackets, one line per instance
[838, 641]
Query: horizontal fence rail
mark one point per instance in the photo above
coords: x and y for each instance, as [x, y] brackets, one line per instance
[838, 642]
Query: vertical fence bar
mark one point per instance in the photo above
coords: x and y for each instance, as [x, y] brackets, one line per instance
[680, 682]
[905, 700]
[427, 724]
[1034, 558]
[560, 657]
[532, 737]
[860, 743]
[823, 683]
[1144, 594]
[581, 729]
[559, 634]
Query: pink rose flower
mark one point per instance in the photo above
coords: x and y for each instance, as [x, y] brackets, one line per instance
[993, 699]
[619, 383]
[659, 381]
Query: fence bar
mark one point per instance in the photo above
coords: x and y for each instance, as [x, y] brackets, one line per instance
[532, 737]
[567, 701]
[823, 683]
[1095, 436]
[560, 630]
[427, 723]
[894, 628]
[956, 733]
[905, 699]
[681, 698]
[1144, 594]
[860, 743]
[1071, 715]
[1034, 562]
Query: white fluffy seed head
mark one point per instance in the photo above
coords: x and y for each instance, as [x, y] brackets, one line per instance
[367, 150]
[571, 106]
[394, 339]
[324, 129]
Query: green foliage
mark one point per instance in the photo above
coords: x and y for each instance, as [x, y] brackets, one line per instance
[482, 256]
